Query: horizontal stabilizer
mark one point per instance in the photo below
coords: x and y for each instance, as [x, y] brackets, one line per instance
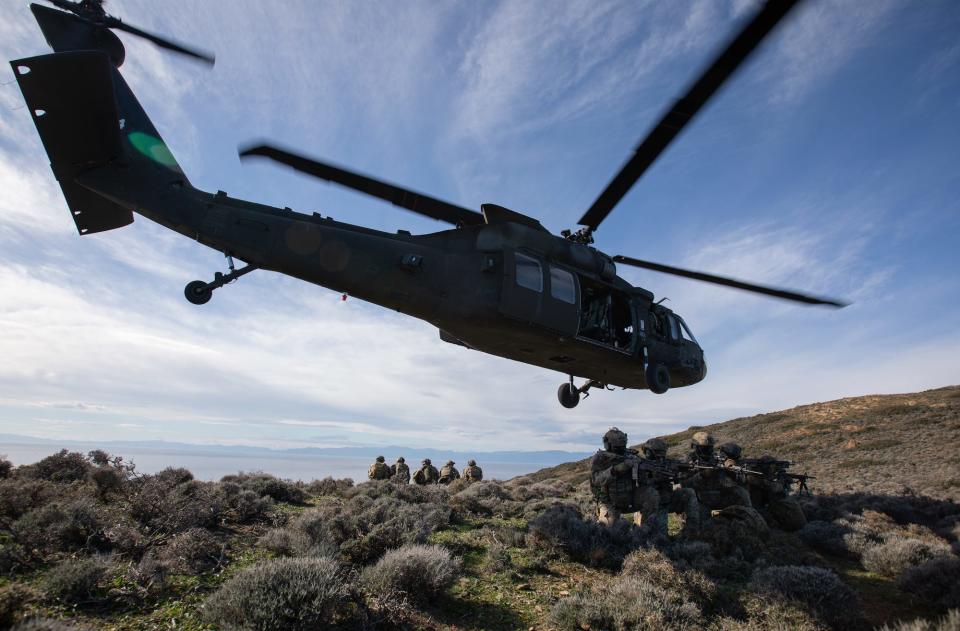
[71, 100]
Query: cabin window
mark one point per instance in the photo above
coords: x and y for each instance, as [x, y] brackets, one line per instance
[685, 331]
[529, 274]
[562, 286]
[674, 329]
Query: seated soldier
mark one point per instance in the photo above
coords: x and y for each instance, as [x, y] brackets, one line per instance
[620, 487]
[426, 474]
[400, 471]
[472, 473]
[379, 470]
[448, 473]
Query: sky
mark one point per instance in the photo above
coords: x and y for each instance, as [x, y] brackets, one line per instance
[828, 164]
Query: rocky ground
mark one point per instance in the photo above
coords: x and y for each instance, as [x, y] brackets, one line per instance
[87, 542]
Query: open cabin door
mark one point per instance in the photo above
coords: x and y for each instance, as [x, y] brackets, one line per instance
[539, 292]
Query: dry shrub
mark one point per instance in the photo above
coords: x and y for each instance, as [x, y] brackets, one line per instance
[247, 506]
[415, 572]
[295, 594]
[47, 624]
[266, 485]
[330, 486]
[58, 528]
[653, 566]
[628, 603]
[825, 536]
[766, 615]
[936, 582]
[6, 467]
[480, 498]
[562, 529]
[19, 495]
[819, 589]
[63, 466]
[894, 556]
[13, 600]
[285, 542]
[192, 552]
[75, 580]
[172, 501]
[950, 622]
[497, 557]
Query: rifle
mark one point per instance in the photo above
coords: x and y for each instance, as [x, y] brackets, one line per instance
[791, 478]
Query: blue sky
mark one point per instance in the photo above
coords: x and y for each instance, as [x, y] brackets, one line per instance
[829, 164]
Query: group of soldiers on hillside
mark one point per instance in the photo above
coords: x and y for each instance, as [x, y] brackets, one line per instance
[710, 481]
[426, 474]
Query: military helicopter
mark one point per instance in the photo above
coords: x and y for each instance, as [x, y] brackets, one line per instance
[496, 282]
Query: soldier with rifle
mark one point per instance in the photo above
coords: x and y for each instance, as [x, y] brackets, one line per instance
[673, 497]
[770, 492]
[622, 482]
[715, 485]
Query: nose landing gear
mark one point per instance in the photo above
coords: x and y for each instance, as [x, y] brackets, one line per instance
[200, 292]
[569, 394]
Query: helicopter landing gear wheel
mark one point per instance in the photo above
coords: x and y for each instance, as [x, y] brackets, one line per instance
[197, 292]
[569, 395]
[658, 378]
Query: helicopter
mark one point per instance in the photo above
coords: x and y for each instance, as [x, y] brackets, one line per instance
[496, 281]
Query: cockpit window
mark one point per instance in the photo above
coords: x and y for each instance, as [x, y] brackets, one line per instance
[528, 273]
[674, 329]
[685, 330]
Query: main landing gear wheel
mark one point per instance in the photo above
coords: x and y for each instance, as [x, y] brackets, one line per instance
[197, 292]
[569, 395]
[658, 378]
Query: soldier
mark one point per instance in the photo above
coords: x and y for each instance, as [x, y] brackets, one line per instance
[730, 454]
[716, 489]
[427, 474]
[620, 486]
[472, 473]
[769, 493]
[673, 498]
[379, 470]
[400, 472]
[448, 473]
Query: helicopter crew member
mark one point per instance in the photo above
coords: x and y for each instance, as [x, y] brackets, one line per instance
[400, 472]
[716, 488]
[448, 473]
[673, 497]
[379, 470]
[427, 474]
[472, 473]
[620, 487]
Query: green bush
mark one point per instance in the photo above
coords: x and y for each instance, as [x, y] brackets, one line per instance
[266, 485]
[63, 466]
[562, 529]
[296, 594]
[628, 603]
[74, 580]
[819, 589]
[896, 555]
[417, 572]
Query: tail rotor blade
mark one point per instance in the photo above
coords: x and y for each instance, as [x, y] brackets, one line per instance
[776, 292]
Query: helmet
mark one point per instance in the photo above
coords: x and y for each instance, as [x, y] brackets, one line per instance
[614, 440]
[702, 439]
[450, 463]
[426, 461]
[471, 463]
[656, 447]
[731, 450]
[400, 459]
[380, 458]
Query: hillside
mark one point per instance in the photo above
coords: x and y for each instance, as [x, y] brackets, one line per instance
[890, 444]
[87, 542]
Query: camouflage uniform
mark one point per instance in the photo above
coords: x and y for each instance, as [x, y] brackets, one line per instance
[472, 473]
[716, 489]
[400, 472]
[771, 497]
[448, 473]
[617, 490]
[427, 474]
[379, 470]
[673, 498]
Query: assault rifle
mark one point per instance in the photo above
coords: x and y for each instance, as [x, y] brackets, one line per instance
[788, 479]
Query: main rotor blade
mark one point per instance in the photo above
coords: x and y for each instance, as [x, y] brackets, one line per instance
[396, 195]
[731, 282]
[683, 111]
[113, 22]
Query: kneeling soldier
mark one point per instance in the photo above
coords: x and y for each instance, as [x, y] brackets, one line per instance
[620, 486]
[472, 473]
[400, 471]
[427, 474]
[448, 473]
[379, 470]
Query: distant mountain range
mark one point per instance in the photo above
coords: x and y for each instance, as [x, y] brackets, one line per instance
[122, 448]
